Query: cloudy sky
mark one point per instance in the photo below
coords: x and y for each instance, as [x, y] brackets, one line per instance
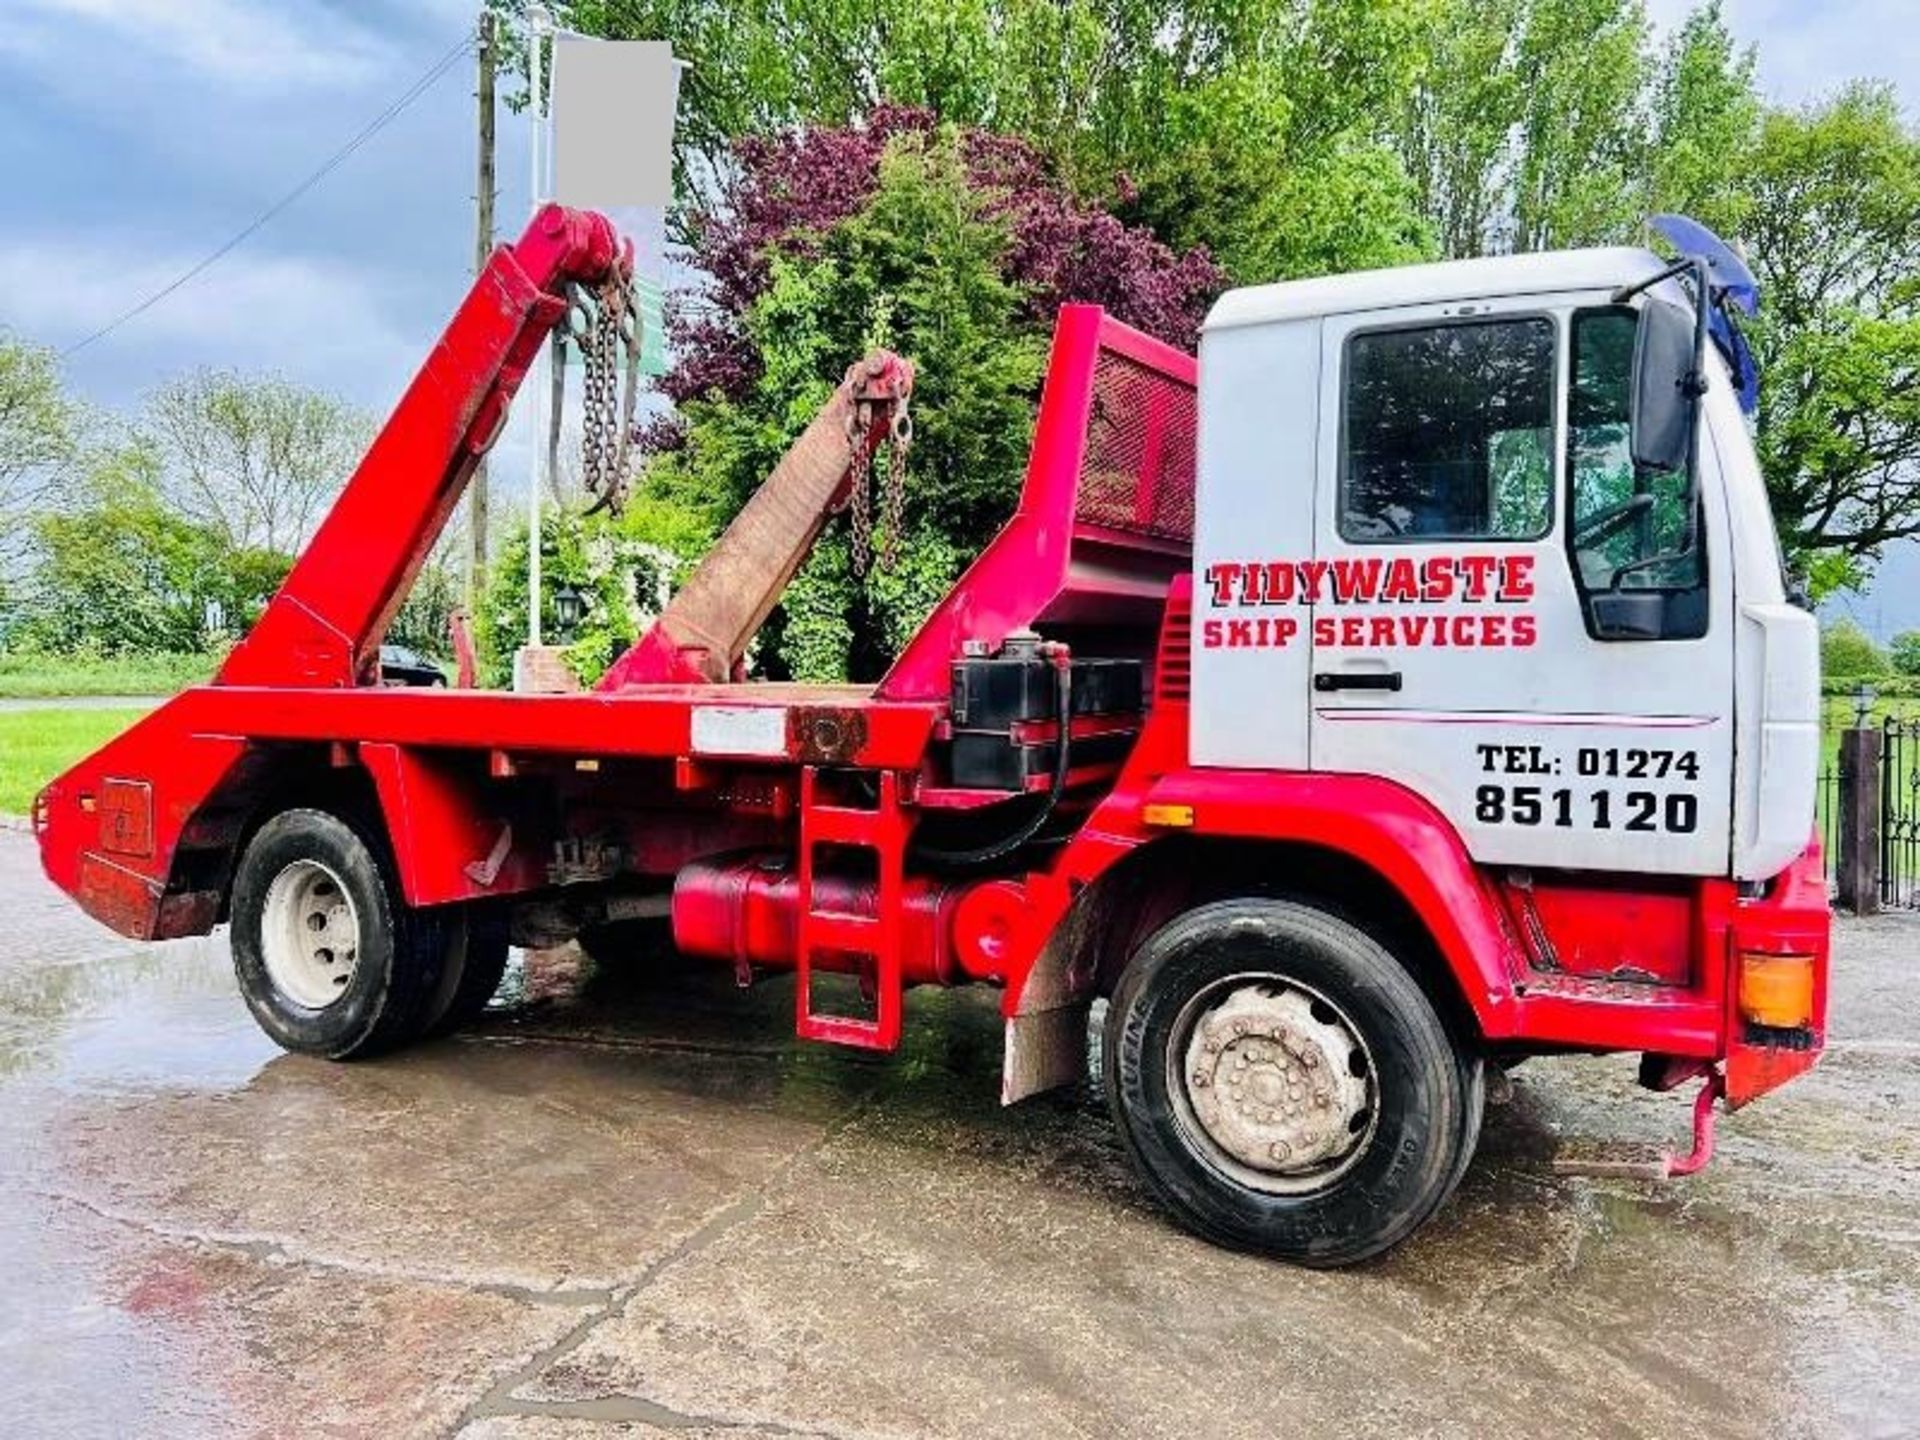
[136, 135]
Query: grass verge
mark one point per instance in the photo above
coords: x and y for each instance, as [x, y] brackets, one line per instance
[27, 676]
[36, 745]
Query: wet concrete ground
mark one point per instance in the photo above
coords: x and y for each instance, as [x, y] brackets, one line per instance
[633, 1205]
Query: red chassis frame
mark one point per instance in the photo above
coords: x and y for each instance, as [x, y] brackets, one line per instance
[486, 796]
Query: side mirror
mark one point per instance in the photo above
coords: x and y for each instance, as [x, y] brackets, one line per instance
[1628, 614]
[1666, 386]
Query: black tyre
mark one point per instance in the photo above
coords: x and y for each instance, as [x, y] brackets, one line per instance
[1284, 1085]
[474, 945]
[329, 958]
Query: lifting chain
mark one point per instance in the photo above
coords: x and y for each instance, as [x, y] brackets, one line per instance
[606, 429]
[894, 502]
[893, 498]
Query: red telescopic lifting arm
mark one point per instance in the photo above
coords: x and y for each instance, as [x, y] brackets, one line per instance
[325, 624]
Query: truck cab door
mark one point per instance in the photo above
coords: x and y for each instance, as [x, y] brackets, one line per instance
[1477, 521]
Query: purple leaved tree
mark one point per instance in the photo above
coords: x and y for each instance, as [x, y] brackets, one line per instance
[785, 192]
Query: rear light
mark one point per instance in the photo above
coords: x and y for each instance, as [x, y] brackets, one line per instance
[1776, 990]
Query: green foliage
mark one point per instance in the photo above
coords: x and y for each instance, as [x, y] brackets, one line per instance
[1208, 120]
[1847, 651]
[1905, 652]
[1828, 572]
[39, 436]
[625, 568]
[1263, 143]
[257, 459]
[1839, 688]
[919, 270]
[1834, 227]
[1539, 124]
[424, 620]
[834, 627]
[1583, 67]
[1706, 114]
[122, 573]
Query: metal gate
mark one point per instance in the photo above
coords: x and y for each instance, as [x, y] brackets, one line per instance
[1900, 811]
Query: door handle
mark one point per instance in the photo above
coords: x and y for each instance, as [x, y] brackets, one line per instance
[1357, 680]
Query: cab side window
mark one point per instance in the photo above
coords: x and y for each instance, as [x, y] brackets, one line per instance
[1628, 526]
[1448, 432]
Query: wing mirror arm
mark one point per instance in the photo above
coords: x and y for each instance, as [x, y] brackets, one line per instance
[1669, 377]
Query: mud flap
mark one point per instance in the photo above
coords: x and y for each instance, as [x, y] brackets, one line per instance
[1044, 1050]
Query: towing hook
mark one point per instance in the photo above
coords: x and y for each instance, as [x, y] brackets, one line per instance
[1666, 1165]
[1695, 1160]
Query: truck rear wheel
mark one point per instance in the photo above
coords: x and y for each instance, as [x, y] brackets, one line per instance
[1284, 1085]
[330, 960]
[475, 960]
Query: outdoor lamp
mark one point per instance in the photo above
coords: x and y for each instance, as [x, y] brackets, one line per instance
[569, 608]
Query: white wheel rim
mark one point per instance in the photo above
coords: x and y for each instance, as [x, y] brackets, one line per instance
[1272, 1084]
[310, 935]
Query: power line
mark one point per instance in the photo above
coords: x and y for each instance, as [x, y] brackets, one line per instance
[333, 162]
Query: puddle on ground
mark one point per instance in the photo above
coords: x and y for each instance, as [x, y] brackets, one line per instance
[138, 1017]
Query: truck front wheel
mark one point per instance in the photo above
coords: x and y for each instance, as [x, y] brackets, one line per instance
[1284, 1085]
[330, 960]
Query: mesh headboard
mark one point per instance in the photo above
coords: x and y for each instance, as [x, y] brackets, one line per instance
[1105, 521]
[1136, 475]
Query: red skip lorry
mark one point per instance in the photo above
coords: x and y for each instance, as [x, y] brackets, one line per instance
[1405, 687]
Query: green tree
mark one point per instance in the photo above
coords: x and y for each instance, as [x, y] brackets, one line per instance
[1456, 121]
[39, 438]
[1847, 651]
[1527, 127]
[1834, 230]
[919, 270]
[624, 567]
[1583, 68]
[1250, 127]
[257, 459]
[1905, 652]
[1706, 112]
[119, 572]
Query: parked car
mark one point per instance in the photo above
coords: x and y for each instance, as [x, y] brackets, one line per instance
[401, 666]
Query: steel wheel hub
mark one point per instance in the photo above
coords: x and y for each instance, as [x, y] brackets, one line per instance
[1278, 1080]
[309, 935]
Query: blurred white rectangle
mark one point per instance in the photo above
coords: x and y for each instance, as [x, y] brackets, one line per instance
[613, 104]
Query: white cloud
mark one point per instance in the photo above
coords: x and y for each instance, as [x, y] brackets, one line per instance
[260, 48]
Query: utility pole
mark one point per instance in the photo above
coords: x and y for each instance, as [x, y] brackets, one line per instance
[482, 248]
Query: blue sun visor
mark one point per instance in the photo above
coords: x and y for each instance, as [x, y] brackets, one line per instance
[1735, 292]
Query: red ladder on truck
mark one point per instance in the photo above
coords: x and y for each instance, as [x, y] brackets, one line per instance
[876, 937]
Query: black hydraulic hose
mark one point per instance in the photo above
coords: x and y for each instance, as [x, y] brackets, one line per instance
[999, 849]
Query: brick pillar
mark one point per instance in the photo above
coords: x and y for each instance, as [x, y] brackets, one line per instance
[541, 670]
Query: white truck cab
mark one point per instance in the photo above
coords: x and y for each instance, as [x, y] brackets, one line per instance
[1424, 551]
